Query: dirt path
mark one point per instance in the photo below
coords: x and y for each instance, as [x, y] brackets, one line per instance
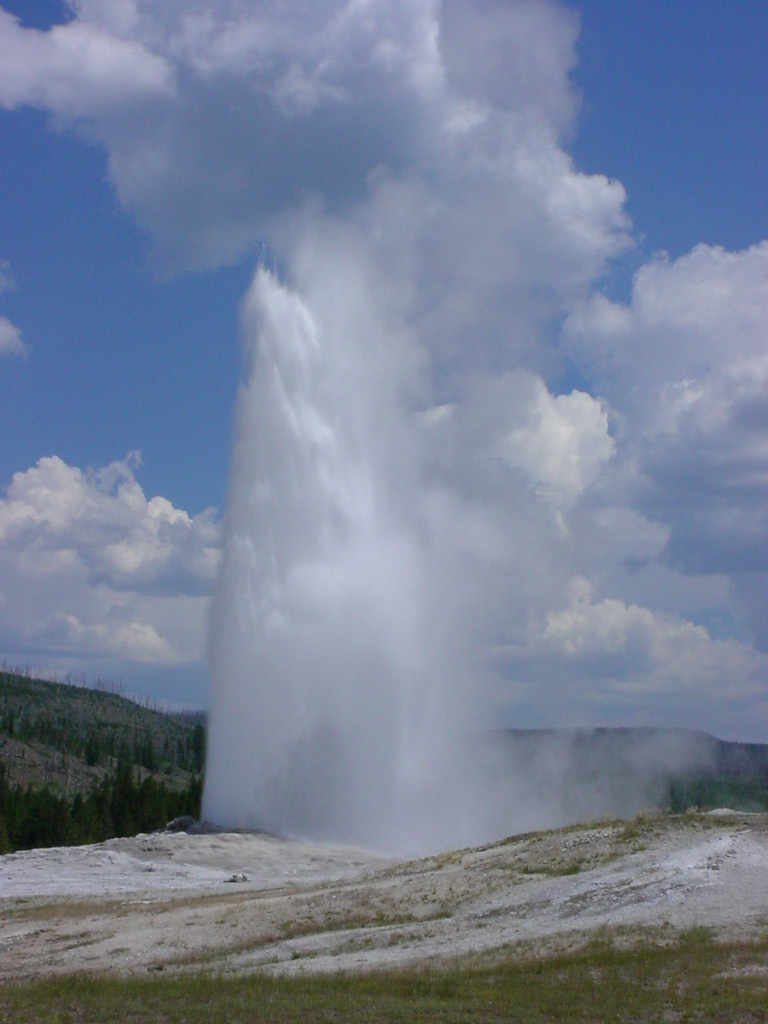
[238, 903]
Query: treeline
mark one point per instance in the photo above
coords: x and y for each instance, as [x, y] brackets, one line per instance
[707, 792]
[99, 727]
[99, 745]
[119, 804]
[737, 778]
[81, 765]
[144, 747]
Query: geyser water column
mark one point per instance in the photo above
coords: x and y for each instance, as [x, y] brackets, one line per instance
[404, 510]
[328, 706]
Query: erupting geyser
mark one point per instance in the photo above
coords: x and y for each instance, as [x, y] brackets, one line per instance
[334, 692]
[402, 475]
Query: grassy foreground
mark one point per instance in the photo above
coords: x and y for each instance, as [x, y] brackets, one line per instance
[693, 979]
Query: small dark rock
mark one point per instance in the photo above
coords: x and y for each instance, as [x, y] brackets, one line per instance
[181, 824]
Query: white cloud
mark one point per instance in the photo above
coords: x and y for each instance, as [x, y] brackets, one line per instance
[11, 343]
[198, 105]
[102, 519]
[512, 56]
[76, 70]
[92, 568]
[557, 444]
[632, 640]
[130, 639]
[685, 366]
[217, 117]
[563, 445]
[687, 320]
[597, 658]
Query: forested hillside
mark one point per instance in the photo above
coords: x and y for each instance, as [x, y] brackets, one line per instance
[82, 765]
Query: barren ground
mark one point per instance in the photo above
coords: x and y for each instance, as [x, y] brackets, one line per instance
[234, 902]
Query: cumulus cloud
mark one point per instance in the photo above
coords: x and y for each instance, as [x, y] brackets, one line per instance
[216, 118]
[76, 70]
[102, 519]
[559, 442]
[686, 319]
[594, 654]
[512, 56]
[685, 364]
[11, 343]
[90, 566]
[631, 643]
[597, 660]
[119, 636]
[199, 106]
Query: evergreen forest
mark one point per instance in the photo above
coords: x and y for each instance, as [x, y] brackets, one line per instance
[81, 765]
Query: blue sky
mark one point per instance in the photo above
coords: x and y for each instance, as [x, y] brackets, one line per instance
[126, 312]
[674, 98]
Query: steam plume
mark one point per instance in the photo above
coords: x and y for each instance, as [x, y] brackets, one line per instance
[401, 472]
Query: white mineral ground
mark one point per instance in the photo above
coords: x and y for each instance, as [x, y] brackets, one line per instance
[242, 902]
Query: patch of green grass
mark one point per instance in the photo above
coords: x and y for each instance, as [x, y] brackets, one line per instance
[692, 979]
[572, 867]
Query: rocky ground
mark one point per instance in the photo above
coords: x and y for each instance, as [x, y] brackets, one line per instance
[239, 902]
